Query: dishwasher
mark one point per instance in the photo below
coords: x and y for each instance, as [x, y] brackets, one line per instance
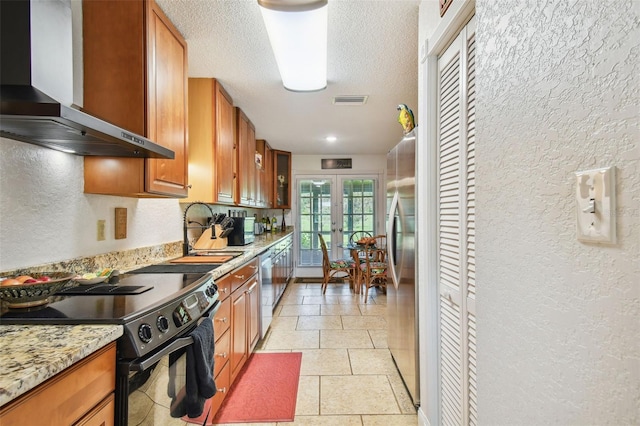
[266, 290]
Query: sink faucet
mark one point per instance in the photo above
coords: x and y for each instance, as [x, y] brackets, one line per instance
[186, 247]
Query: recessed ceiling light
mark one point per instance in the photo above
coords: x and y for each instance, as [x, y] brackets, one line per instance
[331, 139]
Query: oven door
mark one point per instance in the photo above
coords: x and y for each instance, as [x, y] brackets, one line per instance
[151, 390]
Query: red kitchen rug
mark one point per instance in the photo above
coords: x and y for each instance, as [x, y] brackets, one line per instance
[264, 391]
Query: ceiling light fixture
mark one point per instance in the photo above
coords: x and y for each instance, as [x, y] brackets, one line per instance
[298, 34]
[331, 139]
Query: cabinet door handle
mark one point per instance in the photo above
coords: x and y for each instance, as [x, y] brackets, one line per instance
[253, 267]
[240, 277]
[222, 355]
[223, 390]
[223, 319]
[224, 290]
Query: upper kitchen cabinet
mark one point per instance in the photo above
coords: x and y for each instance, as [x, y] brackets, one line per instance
[212, 144]
[135, 76]
[264, 175]
[246, 143]
[282, 179]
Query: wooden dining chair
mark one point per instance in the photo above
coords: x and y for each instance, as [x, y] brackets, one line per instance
[373, 272]
[335, 268]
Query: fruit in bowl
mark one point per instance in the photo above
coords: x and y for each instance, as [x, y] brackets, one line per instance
[364, 241]
[24, 291]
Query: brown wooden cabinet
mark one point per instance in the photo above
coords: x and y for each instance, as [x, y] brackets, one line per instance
[135, 76]
[239, 312]
[281, 179]
[245, 311]
[246, 143]
[236, 326]
[264, 175]
[82, 394]
[245, 315]
[212, 144]
[282, 267]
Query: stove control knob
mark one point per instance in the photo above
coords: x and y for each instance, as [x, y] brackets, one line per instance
[211, 290]
[163, 324]
[145, 333]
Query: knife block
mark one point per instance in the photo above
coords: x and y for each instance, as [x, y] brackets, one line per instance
[205, 242]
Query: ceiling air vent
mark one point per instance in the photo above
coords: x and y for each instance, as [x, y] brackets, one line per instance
[350, 100]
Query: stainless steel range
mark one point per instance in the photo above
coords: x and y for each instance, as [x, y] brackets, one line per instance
[158, 311]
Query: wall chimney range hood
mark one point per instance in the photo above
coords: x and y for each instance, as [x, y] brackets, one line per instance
[36, 87]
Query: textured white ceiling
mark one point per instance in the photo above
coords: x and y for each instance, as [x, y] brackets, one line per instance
[372, 51]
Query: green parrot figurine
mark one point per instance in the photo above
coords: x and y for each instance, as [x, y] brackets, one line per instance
[405, 118]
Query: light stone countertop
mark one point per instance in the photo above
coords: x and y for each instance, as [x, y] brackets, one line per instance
[31, 354]
[262, 243]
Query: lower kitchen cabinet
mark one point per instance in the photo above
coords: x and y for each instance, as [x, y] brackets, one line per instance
[83, 394]
[223, 383]
[245, 315]
[282, 271]
[101, 415]
[236, 327]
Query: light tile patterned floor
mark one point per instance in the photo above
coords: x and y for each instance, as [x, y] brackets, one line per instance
[347, 376]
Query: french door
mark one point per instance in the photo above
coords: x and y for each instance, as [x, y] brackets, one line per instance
[334, 206]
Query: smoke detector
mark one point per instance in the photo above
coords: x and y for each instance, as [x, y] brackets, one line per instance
[350, 100]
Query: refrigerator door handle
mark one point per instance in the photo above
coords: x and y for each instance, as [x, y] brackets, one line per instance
[391, 240]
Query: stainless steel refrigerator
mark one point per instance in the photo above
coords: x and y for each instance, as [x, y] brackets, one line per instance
[402, 286]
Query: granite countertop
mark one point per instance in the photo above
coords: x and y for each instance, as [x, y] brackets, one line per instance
[261, 244]
[31, 354]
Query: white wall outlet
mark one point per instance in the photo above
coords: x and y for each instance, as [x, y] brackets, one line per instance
[595, 205]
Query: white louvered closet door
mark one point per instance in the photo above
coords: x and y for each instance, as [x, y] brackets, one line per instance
[456, 230]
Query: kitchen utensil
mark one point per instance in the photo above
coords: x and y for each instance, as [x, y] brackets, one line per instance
[220, 218]
[226, 232]
[227, 223]
[26, 295]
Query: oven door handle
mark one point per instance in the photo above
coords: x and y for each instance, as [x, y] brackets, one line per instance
[172, 347]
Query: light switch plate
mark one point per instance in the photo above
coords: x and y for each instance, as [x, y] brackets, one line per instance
[595, 205]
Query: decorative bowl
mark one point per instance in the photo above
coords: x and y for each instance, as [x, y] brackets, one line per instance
[26, 295]
[85, 281]
[94, 277]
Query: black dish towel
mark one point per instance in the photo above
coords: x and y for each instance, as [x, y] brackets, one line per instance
[199, 379]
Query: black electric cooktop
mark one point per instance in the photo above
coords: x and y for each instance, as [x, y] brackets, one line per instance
[132, 296]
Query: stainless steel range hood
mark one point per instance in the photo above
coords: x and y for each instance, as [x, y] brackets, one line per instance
[36, 83]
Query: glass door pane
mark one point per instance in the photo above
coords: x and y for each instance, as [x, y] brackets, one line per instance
[315, 216]
[358, 208]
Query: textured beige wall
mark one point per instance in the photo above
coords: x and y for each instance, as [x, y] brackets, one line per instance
[46, 217]
[558, 320]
